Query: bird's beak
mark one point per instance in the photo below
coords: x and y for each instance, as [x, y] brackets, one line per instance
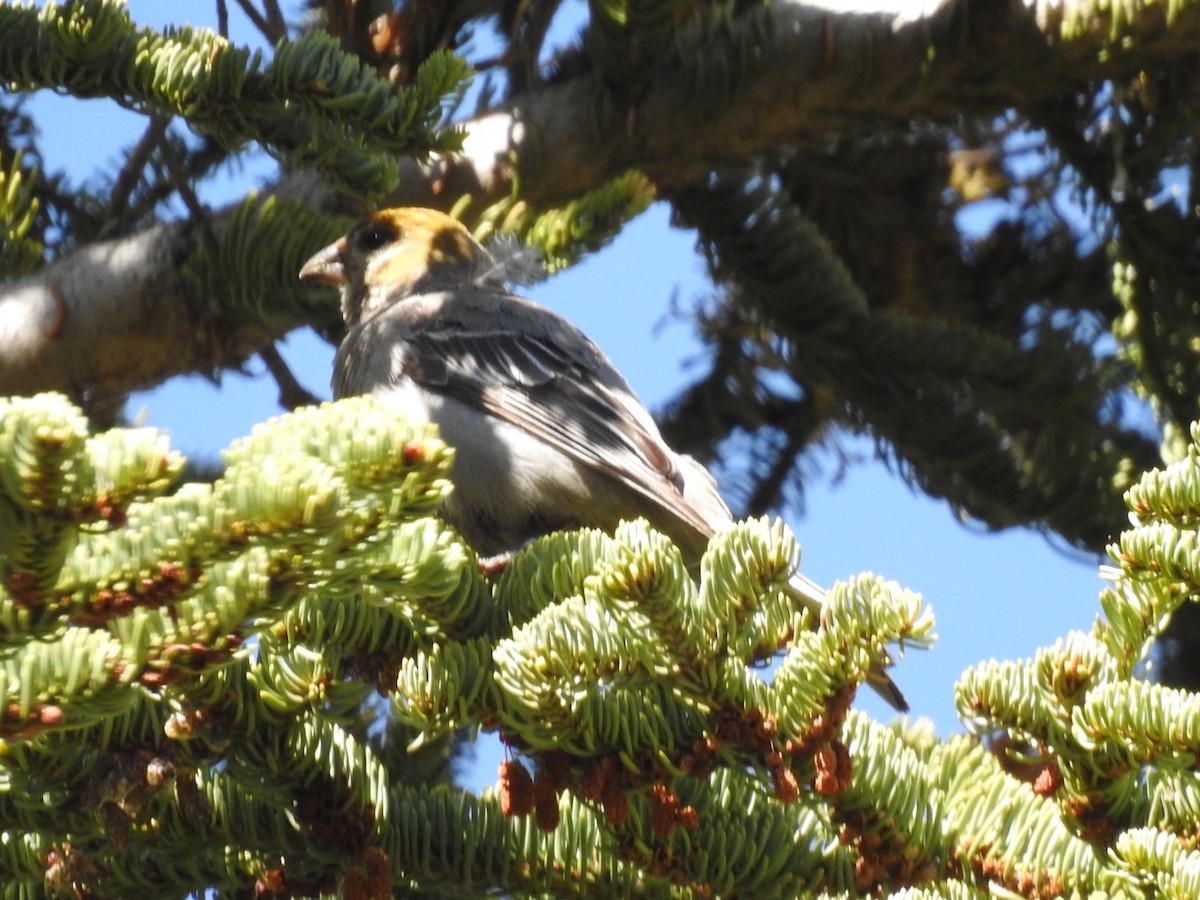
[326, 266]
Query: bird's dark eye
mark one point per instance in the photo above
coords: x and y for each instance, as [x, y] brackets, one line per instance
[373, 237]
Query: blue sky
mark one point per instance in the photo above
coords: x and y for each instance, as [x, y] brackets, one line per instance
[999, 596]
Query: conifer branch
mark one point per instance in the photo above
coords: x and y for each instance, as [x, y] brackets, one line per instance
[720, 95]
[134, 721]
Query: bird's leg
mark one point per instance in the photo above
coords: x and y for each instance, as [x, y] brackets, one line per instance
[491, 566]
[494, 565]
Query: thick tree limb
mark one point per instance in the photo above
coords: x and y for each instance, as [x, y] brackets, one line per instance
[724, 98]
[119, 316]
[123, 314]
[111, 317]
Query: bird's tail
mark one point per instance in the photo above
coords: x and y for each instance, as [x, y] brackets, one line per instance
[701, 495]
[809, 593]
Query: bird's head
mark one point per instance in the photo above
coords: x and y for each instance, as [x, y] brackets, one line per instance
[393, 254]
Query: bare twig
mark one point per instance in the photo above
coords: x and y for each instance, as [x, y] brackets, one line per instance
[527, 35]
[275, 17]
[292, 394]
[268, 29]
[131, 173]
[183, 186]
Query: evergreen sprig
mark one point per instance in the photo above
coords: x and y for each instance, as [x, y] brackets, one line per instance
[1110, 757]
[20, 251]
[198, 667]
[204, 669]
[563, 234]
[311, 103]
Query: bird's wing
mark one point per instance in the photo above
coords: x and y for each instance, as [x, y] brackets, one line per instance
[535, 370]
[557, 385]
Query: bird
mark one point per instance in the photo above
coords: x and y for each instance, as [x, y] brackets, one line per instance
[548, 435]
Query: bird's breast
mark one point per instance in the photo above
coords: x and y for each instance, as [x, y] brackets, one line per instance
[509, 486]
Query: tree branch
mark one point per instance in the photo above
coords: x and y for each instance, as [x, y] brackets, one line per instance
[118, 316]
[784, 74]
[109, 318]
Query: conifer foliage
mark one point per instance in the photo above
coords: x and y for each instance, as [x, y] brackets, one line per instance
[248, 683]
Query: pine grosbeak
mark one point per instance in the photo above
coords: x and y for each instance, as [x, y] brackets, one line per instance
[547, 433]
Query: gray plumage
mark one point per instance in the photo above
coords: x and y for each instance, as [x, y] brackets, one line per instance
[547, 433]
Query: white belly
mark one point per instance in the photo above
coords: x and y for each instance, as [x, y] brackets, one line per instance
[508, 485]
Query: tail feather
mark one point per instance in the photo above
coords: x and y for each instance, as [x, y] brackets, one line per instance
[881, 683]
[701, 495]
[809, 593]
